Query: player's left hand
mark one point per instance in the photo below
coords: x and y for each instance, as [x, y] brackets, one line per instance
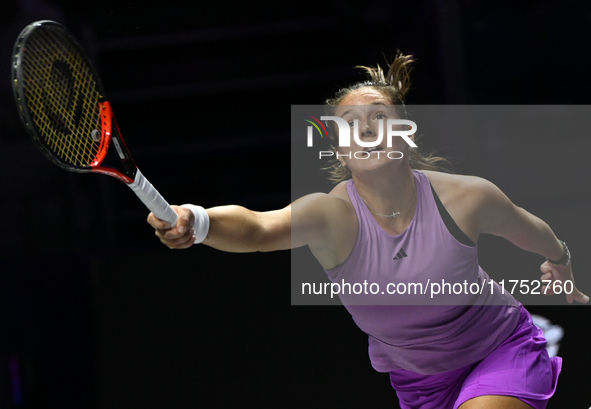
[560, 275]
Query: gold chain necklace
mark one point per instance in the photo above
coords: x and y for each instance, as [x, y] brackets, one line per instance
[394, 214]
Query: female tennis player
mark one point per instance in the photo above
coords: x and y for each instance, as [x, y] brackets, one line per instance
[403, 219]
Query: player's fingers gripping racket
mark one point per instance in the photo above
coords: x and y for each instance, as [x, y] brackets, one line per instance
[63, 106]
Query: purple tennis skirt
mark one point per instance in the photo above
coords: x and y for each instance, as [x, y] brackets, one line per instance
[519, 367]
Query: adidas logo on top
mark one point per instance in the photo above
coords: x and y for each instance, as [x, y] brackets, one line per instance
[400, 254]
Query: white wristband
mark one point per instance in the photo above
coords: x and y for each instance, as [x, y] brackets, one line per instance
[201, 223]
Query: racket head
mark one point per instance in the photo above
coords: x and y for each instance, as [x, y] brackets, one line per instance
[58, 92]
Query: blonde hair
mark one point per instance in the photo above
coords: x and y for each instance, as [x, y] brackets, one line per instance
[394, 85]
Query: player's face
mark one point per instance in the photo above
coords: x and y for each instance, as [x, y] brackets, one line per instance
[370, 108]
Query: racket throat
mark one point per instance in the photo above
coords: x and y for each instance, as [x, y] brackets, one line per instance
[115, 162]
[127, 166]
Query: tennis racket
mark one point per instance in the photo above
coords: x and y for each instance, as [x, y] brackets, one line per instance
[62, 104]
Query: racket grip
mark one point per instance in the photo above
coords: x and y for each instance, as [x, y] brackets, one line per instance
[152, 199]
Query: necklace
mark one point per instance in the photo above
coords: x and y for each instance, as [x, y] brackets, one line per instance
[394, 214]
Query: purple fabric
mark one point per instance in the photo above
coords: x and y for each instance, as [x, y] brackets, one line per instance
[519, 367]
[425, 339]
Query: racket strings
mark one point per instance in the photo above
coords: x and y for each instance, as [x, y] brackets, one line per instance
[62, 95]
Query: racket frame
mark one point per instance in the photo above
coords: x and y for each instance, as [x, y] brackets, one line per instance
[109, 132]
[18, 86]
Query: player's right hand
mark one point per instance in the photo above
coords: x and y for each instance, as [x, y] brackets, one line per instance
[181, 236]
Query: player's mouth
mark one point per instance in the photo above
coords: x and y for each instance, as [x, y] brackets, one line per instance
[374, 149]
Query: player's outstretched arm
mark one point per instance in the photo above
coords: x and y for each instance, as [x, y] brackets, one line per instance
[239, 230]
[499, 216]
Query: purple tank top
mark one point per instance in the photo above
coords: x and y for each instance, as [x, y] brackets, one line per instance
[425, 339]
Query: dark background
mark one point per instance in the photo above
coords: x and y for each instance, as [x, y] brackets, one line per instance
[96, 313]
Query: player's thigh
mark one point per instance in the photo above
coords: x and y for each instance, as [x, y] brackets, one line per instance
[494, 402]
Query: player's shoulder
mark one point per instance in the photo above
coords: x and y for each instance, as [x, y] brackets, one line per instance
[340, 191]
[334, 202]
[452, 180]
[326, 221]
[451, 186]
